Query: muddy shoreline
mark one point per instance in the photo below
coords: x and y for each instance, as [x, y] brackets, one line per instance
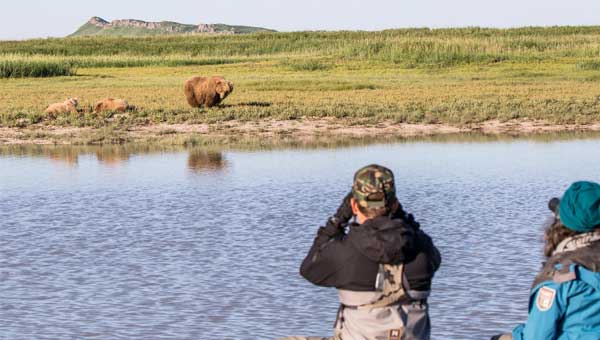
[301, 129]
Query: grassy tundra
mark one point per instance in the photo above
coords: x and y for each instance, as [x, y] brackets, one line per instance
[446, 76]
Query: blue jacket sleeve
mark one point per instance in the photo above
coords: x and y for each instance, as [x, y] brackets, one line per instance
[546, 309]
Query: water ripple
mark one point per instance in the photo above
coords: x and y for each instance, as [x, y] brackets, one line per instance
[149, 249]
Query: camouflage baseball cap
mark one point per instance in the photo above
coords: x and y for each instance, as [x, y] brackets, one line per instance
[374, 186]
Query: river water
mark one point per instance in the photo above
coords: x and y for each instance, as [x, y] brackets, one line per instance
[142, 243]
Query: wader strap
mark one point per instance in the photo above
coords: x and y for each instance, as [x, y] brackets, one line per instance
[403, 303]
[339, 319]
[390, 286]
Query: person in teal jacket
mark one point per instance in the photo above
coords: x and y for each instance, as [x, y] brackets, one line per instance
[565, 297]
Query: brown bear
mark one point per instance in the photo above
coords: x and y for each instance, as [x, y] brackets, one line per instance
[207, 91]
[111, 104]
[68, 106]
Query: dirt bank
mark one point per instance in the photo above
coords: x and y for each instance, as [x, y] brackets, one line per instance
[270, 129]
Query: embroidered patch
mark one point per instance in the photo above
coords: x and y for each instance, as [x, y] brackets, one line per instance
[395, 334]
[545, 299]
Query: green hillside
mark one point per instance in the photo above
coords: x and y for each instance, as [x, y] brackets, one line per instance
[87, 29]
[240, 29]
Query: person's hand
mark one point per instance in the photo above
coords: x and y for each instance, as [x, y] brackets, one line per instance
[335, 224]
[344, 212]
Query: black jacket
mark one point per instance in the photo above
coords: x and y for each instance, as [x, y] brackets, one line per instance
[351, 261]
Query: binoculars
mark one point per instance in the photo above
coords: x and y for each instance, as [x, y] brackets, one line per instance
[553, 205]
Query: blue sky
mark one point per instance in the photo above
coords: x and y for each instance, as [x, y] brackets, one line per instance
[34, 18]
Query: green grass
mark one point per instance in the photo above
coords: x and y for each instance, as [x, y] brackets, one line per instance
[439, 47]
[121, 61]
[306, 65]
[589, 65]
[18, 67]
[446, 76]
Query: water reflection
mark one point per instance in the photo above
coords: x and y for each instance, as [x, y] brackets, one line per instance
[200, 160]
[113, 156]
[210, 157]
[68, 154]
[254, 143]
[150, 252]
[65, 155]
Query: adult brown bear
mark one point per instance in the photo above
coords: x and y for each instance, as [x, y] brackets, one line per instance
[207, 91]
[110, 104]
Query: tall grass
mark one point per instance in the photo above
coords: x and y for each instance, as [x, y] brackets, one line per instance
[305, 65]
[144, 61]
[15, 67]
[120, 61]
[589, 65]
[411, 47]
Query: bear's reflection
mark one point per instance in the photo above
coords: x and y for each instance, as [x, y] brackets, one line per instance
[206, 161]
[68, 156]
[112, 156]
[199, 160]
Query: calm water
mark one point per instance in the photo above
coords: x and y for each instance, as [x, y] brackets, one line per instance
[206, 244]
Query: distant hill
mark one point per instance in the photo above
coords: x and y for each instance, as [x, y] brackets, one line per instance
[132, 28]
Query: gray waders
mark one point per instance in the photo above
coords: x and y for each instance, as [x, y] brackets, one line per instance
[389, 313]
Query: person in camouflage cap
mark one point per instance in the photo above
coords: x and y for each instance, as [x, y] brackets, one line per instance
[374, 187]
[358, 256]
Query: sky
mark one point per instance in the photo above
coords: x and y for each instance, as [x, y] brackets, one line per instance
[23, 19]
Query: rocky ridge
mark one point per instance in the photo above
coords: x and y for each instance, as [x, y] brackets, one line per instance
[170, 27]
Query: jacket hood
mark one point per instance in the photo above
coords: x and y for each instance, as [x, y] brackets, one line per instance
[383, 240]
[588, 260]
